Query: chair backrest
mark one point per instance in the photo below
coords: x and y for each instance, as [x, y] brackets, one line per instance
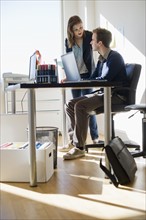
[133, 72]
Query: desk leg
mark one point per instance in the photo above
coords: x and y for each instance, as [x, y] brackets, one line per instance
[32, 136]
[107, 118]
[13, 97]
[63, 118]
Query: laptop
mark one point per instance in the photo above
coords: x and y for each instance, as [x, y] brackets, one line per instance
[71, 68]
[32, 67]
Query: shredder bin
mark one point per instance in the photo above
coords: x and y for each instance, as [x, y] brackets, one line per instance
[46, 134]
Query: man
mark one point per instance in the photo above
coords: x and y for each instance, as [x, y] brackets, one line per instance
[110, 67]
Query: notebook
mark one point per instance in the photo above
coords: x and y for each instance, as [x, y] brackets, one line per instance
[71, 68]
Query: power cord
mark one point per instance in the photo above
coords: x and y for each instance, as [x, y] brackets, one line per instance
[23, 100]
[133, 114]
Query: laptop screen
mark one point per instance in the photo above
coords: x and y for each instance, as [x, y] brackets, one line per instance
[70, 67]
[32, 67]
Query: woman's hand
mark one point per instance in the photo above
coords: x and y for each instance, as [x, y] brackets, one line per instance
[63, 80]
[38, 54]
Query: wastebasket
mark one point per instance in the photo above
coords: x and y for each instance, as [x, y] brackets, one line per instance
[46, 134]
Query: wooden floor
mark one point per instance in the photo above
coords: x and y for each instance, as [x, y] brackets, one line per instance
[77, 190]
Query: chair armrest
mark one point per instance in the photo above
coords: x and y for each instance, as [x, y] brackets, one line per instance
[97, 91]
[119, 89]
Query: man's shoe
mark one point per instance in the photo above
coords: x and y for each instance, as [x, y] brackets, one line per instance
[74, 153]
[67, 147]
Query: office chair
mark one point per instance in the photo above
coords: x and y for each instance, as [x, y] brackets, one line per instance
[133, 72]
[142, 109]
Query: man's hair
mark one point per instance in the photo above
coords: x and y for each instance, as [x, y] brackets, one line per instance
[103, 35]
[71, 22]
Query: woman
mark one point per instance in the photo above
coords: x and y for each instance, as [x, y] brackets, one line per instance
[78, 40]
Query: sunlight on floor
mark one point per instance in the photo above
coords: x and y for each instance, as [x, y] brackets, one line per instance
[98, 205]
[91, 178]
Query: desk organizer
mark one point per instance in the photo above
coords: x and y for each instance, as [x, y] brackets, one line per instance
[46, 74]
[15, 166]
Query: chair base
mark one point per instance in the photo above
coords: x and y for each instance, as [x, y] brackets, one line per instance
[130, 144]
[101, 145]
[139, 154]
[142, 109]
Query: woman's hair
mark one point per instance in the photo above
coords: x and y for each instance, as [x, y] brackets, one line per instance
[71, 22]
[103, 35]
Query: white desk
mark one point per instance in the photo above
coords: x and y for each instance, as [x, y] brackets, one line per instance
[32, 113]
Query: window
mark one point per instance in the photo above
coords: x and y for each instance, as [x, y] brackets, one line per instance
[25, 27]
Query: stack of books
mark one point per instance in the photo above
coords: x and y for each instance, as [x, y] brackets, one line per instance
[23, 145]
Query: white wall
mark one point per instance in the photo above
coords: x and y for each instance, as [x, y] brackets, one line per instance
[127, 19]
[13, 128]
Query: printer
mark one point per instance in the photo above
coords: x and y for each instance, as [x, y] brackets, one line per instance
[14, 78]
[10, 79]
